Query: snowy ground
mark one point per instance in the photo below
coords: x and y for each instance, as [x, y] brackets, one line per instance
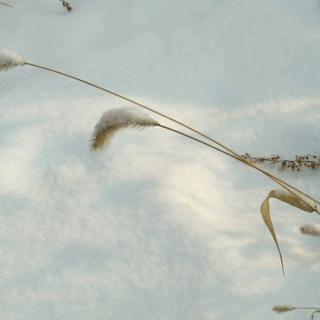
[156, 227]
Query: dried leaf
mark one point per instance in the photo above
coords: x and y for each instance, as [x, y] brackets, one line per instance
[265, 211]
[289, 198]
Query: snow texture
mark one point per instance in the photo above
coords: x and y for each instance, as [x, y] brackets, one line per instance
[156, 227]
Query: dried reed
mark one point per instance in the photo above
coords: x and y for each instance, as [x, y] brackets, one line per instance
[237, 156]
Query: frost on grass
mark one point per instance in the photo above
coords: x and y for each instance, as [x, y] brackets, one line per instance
[116, 119]
[10, 59]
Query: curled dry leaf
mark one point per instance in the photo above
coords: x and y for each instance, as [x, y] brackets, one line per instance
[286, 197]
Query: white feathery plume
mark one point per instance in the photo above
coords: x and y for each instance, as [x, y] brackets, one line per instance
[10, 59]
[310, 229]
[116, 119]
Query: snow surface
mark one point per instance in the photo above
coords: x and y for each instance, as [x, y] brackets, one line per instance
[156, 227]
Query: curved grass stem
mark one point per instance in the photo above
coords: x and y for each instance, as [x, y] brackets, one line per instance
[226, 150]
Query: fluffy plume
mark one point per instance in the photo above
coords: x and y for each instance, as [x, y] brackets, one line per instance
[310, 229]
[116, 119]
[287, 197]
[10, 59]
[283, 308]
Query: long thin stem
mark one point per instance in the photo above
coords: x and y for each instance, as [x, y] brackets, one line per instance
[197, 140]
[307, 308]
[215, 148]
[229, 151]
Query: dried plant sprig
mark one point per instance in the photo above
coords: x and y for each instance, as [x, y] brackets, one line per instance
[309, 161]
[288, 198]
[66, 5]
[310, 229]
[115, 120]
[10, 59]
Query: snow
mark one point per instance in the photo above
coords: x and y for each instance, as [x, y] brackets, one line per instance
[156, 226]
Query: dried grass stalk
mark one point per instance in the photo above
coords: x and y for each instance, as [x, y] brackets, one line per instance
[115, 120]
[309, 161]
[224, 149]
[100, 139]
